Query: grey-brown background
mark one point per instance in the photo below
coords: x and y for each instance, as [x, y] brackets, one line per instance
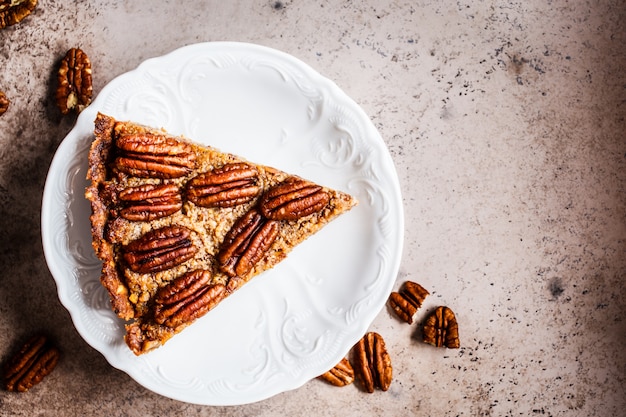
[506, 122]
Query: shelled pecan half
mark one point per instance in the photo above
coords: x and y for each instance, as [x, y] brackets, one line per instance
[441, 329]
[406, 302]
[4, 103]
[75, 87]
[372, 363]
[14, 11]
[187, 298]
[159, 249]
[292, 199]
[246, 243]
[227, 186]
[340, 375]
[150, 201]
[152, 156]
[36, 359]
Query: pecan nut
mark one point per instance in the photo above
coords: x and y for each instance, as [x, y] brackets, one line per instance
[4, 103]
[35, 360]
[74, 89]
[234, 283]
[441, 329]
[340, 375]
[14, 11]
[187, 298]
[246, 243]
[148, 155]
[372, 363]
[159, 249]
[150, 201]
[292, 199]
[227, 186]
[406, 302]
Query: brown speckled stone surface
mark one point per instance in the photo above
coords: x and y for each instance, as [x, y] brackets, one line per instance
[506, 122]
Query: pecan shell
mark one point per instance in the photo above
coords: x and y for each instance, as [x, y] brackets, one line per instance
[4, 103]
[159, 249]
[36, 359]
[75, 88]
[292, 199]
[13, 12]
[246, 243]
[150, 201]
[187, 298]
[372, 363]
[441, 329]
[340, 375]
[152, 156]
[406, 302]
[227, 186]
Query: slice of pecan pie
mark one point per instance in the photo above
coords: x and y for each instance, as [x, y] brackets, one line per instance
[180, 226]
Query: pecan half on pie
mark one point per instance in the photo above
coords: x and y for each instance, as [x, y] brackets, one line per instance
[180, 226]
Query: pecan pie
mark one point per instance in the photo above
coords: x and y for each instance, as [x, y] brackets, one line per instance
[180, 226]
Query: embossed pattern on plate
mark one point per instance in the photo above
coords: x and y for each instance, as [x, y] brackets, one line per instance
[289, 324]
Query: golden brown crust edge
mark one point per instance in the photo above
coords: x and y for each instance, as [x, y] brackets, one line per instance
[97, 174]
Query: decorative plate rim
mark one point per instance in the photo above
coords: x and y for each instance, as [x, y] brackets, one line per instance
[69, 267]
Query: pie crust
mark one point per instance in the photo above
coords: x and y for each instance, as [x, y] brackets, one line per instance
[171, 252]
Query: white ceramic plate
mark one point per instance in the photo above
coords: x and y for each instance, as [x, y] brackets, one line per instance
[289, 324]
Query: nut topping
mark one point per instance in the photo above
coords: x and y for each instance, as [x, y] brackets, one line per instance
[159, 250]
[234, 283]
[4, 103]
[228, 186]
[441, 329]
[341, 375]
[187, 298]
[13, 11]
[372, 364]
[292, 199]
[150, 201]
[152, 156]
[36, 359]
[408, 300]
[246, 242]
[74, 82]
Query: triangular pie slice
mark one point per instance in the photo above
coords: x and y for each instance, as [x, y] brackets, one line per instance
[180, 226]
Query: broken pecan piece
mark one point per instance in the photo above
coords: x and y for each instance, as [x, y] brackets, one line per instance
[246, 243]
[187, 298]
[372, 364]
[406, 302]
[340, 375]
[150, 201]
[159, 249]
[14, 11]
[36, 359]
[227, 186]
[292, 199]
[441, 329]
[74, 89]
[152, 156]
[4, 103]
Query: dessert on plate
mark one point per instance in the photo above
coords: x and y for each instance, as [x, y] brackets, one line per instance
[180, 226]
